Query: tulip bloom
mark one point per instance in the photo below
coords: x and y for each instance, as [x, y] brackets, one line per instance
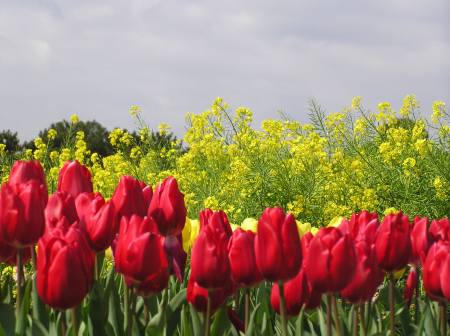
[152, 285]
[8, 254]
[216, 219]
[410, 286]
[298, 292]
[167, 208]
[198, 296]
[97, 219]
[362, 226]
[65, 266]
[436, 271]
[74, 178]
[440, 229]
[22, 213]
[128, 198]
[420, 240]
[393, 242]
[24, 171]
[331, 260]
[367, 277]
[139, 252]
[210, 266]
[60, 204]
[241, 254]
[277, 245]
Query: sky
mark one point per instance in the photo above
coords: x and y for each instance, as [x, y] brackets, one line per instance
[97, 58]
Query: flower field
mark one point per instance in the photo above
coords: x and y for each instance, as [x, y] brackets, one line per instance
[338, 226]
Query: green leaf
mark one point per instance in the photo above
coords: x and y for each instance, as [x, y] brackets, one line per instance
[7, 318]
[220, 322]
[196, 323]
[21, 322]
[299, 322]
[251, 322]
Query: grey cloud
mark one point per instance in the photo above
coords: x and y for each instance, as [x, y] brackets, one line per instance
[96, 58]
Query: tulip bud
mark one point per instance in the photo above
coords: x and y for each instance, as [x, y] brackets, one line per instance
[298, 292]
[24, 171]
[139, 253]
[331, 260]
[8, 254]
[22, 213]
[74, 178]
[65, 266]
[167, 208]
[242, 258]
[410, 286]
[97, 219]
[440, 229]
[60, 204]
[128, 198]
[217, 219]
[393, 243]
[436, 271]
[420, 240]
[209, 259]
[277, 245]
[198, 296]
[362, 226]
[367, 277]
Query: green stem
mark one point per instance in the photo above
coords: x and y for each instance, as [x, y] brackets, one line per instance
[416, 297]
[329, 329]
[208, 314]
[19, 282]
[126, 308]
[362, 318]
[443, 316]
[246, 308]
[73, 313]
[392, 303]
[355, 320]
[96, 268]
[146, 312]
[63, 323]
[283, 309]
[337, 318]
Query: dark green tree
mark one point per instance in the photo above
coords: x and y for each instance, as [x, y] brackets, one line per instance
[11, 140]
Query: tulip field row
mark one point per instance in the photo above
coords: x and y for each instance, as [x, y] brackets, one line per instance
[336, 227]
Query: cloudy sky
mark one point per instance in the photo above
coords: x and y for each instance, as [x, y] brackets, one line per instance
[96, 58]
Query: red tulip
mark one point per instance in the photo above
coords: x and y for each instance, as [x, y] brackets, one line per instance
[209, 259]
[410, 286]
[241, 254]
[152, 285]
[298, 292]
[8, 254]
[331, 260]
[217, 219]
[74, 178]
[420, 240]
[24, 171]
[436, 271]
[60, 204]
[367, 277]
[362, 226]
[128, 198]
[198, 296]
[176, 255]
[147, 192]
[22, 213]
[97, 219]
[167, 208]
[277, 246]
[139, 253]
[393, 243]
[65, 266]
[440, 229]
